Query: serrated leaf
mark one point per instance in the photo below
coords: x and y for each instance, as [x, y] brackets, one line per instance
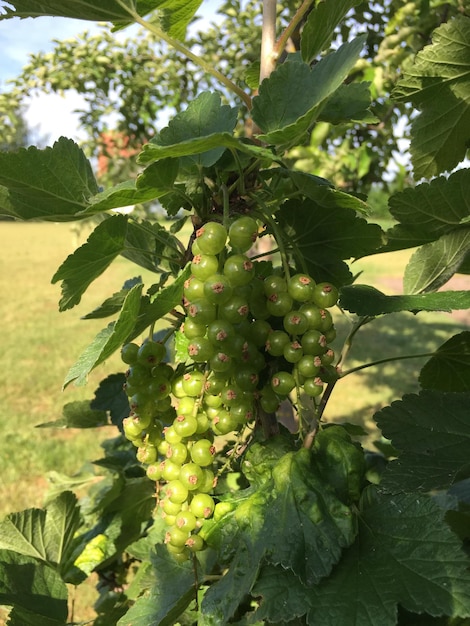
[215, 141]
[160, 175]
[367, 300]
[107, 340]
[171, 593]
[289, 99]
[449, 368]
[438, 84]
[324, 238]
[113, 304]
[319, 28]
[405, 554]
[104, 11]
[177, 14]
[350, 102]
[43, 534]
[433, 264]
[429, 210]
[204, 116]
[78, 414]
[110, 396]
[431, 432]
[89, 261]
[36, 592]
[53, 184]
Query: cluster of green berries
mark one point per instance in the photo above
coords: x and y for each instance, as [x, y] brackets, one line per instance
[251, 340]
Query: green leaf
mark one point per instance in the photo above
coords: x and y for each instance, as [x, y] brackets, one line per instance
[204, 116]
[35, 591]
[97, 550]
[319, 28]
[449, 368]
[53, 184]
[104, 11]
[433, 264]
[350, 102]
[438, 84]
[171, 593]
[325, 237]
[429, 210]
[89, 261]
[176, 15]
[107, 340]
[366, 300]
[160, 176]
[78, 414]
[111, 397]
[289, 99]
[151, 245]
[113, 304]
[209, 143]
[43, 534]
[404, 554]
[432, 435]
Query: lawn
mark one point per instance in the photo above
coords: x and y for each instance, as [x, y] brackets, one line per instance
[40, 344]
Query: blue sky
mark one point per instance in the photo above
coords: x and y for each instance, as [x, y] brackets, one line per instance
[48, 116]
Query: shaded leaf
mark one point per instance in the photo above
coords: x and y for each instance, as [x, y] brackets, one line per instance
[151, 245]
[110, 396]
[113, 304]
[90, 260]
[78, 414]
[449, 368]
[431, 432]
[51, 184]
[404, 554]
[43, 534]
[350, 102]
[319, 28]
[324, 238]
[107, 340]
[153, 152]
[171, 593]
[438, 84]
[35, 591]
[366, 300]
[288, 100]
[204, 116]
[433, 264]
[105, 10]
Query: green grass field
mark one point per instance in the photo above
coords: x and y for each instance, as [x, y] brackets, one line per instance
[39, 344]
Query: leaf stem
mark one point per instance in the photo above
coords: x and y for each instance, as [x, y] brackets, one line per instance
[284, 38]
[387, 360]
[177, 45]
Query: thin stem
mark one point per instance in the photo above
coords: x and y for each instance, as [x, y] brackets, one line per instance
[284, 38]
[387, 360]
[177, 45]
[268, 39]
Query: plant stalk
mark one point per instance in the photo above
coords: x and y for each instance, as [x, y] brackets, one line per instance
[268, 40]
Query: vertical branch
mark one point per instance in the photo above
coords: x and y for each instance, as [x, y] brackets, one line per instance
[268, 39]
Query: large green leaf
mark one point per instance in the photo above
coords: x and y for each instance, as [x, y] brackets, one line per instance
[319, 28]
[172, 591]
[350, 102]
[36, 592]
[325, 233]
[204, 116]
[367, 300]
[438, 83]
[433, 264]
[78, 414]
[449, 368]
[89, 261]
[431, 432]
[429, 210]
[404, 554]
[104, 10]
[43, 534]
[108, 340]
[289, 100]
[53, 184]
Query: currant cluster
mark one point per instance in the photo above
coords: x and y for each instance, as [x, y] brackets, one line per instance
[251, 341]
